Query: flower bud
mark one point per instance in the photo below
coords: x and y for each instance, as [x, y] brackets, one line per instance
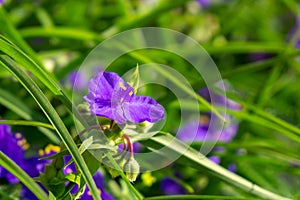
[132, 169]
[135, 79]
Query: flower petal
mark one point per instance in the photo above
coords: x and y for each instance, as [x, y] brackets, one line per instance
[9, 146]
[107, 91]
[142, 108]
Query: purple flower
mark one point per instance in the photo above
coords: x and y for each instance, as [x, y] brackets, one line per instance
[294, 31]
[98, 178]
[216, 132]
[75, 80]
[78, 80]
[33, 166]
[204, 3]
[100, 183]
[110, 96]
[232, 167]
[215, 159]
[220, 100]
[10, 145]
[1, 1]
[170, 187]
[259, 56]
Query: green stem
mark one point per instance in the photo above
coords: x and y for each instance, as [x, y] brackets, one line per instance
[272, 118]
[26, 123]
[20, 57]
[13, 168]
[61, 32]
[117, 167]
[196, 159]
[54, 118]
[86, 35]
[196, 197]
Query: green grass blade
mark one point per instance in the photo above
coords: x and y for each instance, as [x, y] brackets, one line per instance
[14, 104]
[199, 161]
[13, 168]
[274, 119]
[54, 118]
[255, 115]
[8, 29]
[166, 74]
[20, 57]
[266, 123]
[86, 35]
[117, 167]
[22, 110]
[245, 47]
[167, 197]
[26, 123]
[60, 32]
[43, 75]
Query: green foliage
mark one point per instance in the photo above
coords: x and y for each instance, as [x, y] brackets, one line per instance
[42, 42]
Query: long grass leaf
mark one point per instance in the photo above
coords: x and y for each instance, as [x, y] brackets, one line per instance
[54, 118]
[13, 168]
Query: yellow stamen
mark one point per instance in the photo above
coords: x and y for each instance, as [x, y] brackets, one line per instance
[25, 146]
[51, 147]
[21, 142]
[122, 86]
[18, 135]
[204, 120]
[130, 93]
[98, 190]
[41, 152]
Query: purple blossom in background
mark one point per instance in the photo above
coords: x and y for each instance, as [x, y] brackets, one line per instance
[110, 96]
[33, 166]
[14, 146]
[1, 1]
[226, 135]
[232, 167]
[10, 147]
[294, 31]
[215, 159]
[170, 187]
[217, 132]
[259, 56]
[80, 79]
[297, 43]
[98, 178]
[204, 3]
[100, 183]
[220, 99]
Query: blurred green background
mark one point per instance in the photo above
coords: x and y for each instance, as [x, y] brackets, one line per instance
[253, 43]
